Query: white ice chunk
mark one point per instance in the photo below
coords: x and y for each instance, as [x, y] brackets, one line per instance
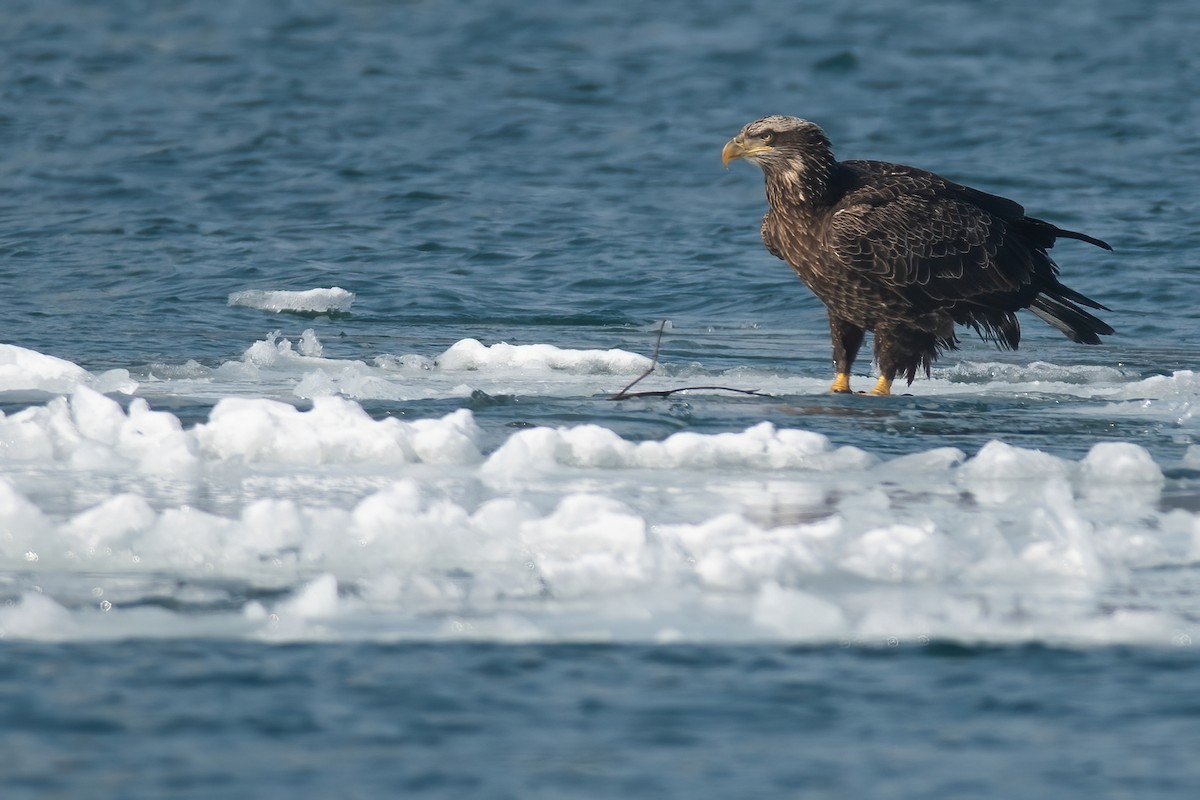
[315, 600]
[1000, 472]
[1065, 540]
[109, 524]
[730, 553]
[37, 617]
[1032, 373]
[898, 553]
[927, 461]
[1121, 463]
[797, 615]
[29, 370]
[471, 354]
[997, 460]
[335, 431]
[23, 527]
[310, 345]
[1191, 458]
[762, 446]
[590, 544]
[312, 301]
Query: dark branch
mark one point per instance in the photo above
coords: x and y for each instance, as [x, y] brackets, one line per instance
[625, 394]
[668, 392]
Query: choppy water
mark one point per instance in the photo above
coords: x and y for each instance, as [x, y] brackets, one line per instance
[311, 316]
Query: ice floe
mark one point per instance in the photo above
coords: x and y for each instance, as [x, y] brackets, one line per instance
[311, 301]
[290, 512]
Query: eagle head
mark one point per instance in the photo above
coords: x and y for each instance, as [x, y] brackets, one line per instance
[775, 141]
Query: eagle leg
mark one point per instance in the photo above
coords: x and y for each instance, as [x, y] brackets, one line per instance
[847, 339]
[901, 350]
[883, 386]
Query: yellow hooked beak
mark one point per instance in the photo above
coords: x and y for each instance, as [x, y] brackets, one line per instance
[737, 148]
[732, 151]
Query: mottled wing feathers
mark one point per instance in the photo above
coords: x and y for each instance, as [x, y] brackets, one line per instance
[930, 240]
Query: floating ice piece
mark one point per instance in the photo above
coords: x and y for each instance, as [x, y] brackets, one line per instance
[38, 617]
[798, 615]
[312, 301]
[1064, 542]
[315, 600]
[22, 524]
[1035, 372]
[762, 446]
[116, 520]
[730, 553]
[1121, 463]
[335, 431]
[898, 553]
[1178, 385]
[23, 370]
[91, 431]
[276, 350]
[26, 370]
[590, 544]
[998, 461]
[471, 354]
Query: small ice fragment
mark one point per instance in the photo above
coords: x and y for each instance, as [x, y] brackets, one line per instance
[310, 345]
[471, 354]
[313, 601]
[313, 301]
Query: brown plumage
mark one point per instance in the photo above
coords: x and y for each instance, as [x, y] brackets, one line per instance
[905, 253]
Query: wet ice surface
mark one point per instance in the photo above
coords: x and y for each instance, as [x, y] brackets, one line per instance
[311, 301]
[297, 496]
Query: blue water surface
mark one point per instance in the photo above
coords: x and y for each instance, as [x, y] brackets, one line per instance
[549, 172]
[496, 721]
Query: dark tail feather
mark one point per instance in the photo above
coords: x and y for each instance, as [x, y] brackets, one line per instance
[1075, 297]
[1043, 234]
[1083, 237]
[1075, 323]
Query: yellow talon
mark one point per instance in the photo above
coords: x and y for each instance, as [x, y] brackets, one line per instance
[883, 387]
[841, 383]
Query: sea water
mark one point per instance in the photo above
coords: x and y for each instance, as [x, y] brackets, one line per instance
[313, 482]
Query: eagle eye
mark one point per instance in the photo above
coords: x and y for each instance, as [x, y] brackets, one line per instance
[767, 137]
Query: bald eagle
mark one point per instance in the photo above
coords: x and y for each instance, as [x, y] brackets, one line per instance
[905, 253]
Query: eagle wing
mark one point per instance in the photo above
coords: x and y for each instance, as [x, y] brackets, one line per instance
[931, 241]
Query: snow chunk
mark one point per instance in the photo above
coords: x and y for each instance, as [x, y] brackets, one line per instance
[37, 617]
[762, 446]
[22, 524]
[797, 615]
[24, 370]
[335, 431]
[471, 354]
[91, 431]
[1120, 462]
[997, 461]
[315, 600]
[730, 553]
[109, 523]
[1064, 545]
[898, 553]
[589, 544]
[313, 301]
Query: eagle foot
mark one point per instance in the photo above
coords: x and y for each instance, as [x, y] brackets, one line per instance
[883, 387]
[841, 384]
